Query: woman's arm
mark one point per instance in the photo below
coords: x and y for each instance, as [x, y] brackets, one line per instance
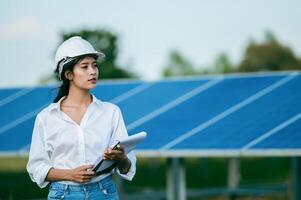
[80, 174]
[39, 162]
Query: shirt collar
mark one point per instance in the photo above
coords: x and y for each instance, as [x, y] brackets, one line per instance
[56, 106]
[96, 101]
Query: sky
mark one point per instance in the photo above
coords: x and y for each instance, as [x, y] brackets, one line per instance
[147, 31]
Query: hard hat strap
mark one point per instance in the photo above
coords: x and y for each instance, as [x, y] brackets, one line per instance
[63, 62]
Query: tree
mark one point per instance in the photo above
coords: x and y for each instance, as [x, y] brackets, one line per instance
[223, 64]
[268, 56]
[177, 65]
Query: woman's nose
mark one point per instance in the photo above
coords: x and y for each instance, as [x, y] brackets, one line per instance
[93, 70]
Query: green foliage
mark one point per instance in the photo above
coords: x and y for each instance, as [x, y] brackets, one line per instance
[107, 42]
[17, 185]
[268, 56]
[223, 64]
[277, 170]
[178, 65]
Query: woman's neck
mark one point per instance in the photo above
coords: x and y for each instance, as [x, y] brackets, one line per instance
[78, 97]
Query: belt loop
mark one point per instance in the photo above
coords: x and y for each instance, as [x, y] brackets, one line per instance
[65, 191]
[100, 184]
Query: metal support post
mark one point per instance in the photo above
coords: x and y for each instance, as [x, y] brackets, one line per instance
[176, 179]
[233, 176]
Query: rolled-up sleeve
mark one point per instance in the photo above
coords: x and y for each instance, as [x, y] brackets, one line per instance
[120, 133]
[132, 171]
[39, 162]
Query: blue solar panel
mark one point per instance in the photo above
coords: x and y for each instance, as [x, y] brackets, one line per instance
[251, 121]
[201, 108]
[18, 137]
[107, 91]
[213, 113]
[21, 106]
[287, 138]
[157, 95]
[8, 92]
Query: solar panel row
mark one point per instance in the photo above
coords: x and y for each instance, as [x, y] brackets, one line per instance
[197, 116]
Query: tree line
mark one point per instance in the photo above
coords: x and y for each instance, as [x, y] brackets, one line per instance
[268, 55]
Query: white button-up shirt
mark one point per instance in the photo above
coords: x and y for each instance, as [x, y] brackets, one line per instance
[59, 142]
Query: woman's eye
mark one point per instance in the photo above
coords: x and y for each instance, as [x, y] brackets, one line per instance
[84, 67]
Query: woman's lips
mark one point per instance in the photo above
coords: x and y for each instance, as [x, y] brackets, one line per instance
[93, 80]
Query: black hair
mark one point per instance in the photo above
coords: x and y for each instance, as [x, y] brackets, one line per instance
[63, 90]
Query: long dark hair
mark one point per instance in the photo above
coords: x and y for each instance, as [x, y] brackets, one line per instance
[64, 88]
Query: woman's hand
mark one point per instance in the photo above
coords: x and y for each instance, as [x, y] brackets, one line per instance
[118, 154]
[115, 154]
[82, 174]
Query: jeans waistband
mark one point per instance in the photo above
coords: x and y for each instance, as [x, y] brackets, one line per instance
[82, 187]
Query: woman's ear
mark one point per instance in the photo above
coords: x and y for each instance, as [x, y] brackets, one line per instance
[69, 75]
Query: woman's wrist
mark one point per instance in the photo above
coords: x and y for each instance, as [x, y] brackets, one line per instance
[59, 175]
[124, 165]
[69, 175]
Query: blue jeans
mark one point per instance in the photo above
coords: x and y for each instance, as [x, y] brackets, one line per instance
[105, 189]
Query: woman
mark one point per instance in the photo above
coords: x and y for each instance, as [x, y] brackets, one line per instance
[77, 128]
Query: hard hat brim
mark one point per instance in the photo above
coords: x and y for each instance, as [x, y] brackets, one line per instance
[100, 56]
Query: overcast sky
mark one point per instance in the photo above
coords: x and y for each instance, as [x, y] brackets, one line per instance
[147, 30]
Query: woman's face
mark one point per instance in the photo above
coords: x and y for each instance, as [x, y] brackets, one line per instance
[85, 73]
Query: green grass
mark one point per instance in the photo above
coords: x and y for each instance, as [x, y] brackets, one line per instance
[151, 175]
[13, 164]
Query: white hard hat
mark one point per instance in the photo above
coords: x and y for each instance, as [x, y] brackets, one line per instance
[71, 48]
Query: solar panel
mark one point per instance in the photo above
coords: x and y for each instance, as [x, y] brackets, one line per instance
[251, 121]
[158, 94]
[286, 138]
[192, 116]
[201, 108]
[7, 94]
[110, 90]
[17, 108]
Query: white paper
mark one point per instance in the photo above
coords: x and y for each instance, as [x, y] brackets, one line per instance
[131, 142]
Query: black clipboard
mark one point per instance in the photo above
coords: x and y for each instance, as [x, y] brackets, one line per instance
[105, 166]
[102, 166]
